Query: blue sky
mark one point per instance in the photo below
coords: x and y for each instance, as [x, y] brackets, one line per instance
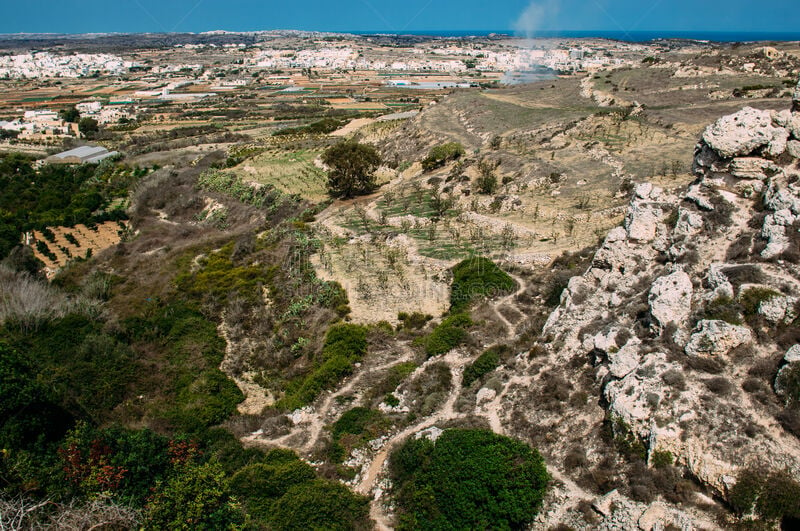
[81, 16]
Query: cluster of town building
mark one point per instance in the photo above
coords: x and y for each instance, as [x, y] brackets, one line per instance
[46, 124]
[451, 59]
[46, 64]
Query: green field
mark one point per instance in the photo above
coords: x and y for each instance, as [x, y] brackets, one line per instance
[292, 172]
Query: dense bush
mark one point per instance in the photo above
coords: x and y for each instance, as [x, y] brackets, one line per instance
[450, 333]
[345, 345]
[772, 497]
[231, 185]
[320, 504]
[439, 155]
[486, 363]
[55, 195]
[477, 277]
[467, 479]
[352, 167]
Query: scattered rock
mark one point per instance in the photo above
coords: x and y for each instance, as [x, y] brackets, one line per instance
[716, 338]
[671, 298]
[689, 223]
[793, 148]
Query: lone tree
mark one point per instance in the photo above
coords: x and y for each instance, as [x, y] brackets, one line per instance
[352, 167]
[88, 126]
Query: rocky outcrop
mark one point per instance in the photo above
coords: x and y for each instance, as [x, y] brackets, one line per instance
[744, 132]
[672, 385]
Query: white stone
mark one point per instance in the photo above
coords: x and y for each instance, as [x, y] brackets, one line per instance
[744, 132]
[793, 148]
[670, 298]
[431, 433]
[486, 395]
[793, 354]
[775, 234]
[643, 190]
[778, 309]
[625, 360]
[617, 234]
[641, 222]
[716, 338]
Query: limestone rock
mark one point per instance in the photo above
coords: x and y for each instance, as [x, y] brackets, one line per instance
[689, 223]
[744, 132]
[625, 360]
[671, 298]
[716, 338]
[796, 99]
[752, 168]
[774, 231]
[779, 309]
[793, 354]
[793, 148]
[718, 281]
[641, 222]
[603, 504]
[778, 198]
[697, 197]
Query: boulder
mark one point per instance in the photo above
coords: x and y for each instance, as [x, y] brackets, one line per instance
[641, 222]
[670, 298]
[744, 132]
[775, 233]
[718, 281]
[793, 354]
[716, 338]
[779, 310]
[793, 147]
[625, 360]
[796, 99]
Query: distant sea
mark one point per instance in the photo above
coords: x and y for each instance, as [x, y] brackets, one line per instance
[632, 36]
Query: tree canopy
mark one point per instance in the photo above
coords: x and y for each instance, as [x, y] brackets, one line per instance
[352, 167]
[468, 479]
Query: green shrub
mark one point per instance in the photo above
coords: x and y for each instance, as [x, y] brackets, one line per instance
[477, 277]
[661, 459]
[450, 333]
[345, 345]
[195, 498]
[320, 504]
[468, 479]
[723, 309]
[413, 321]
[439, 155]
[354, 428]
[772, 497]
[486, 363]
